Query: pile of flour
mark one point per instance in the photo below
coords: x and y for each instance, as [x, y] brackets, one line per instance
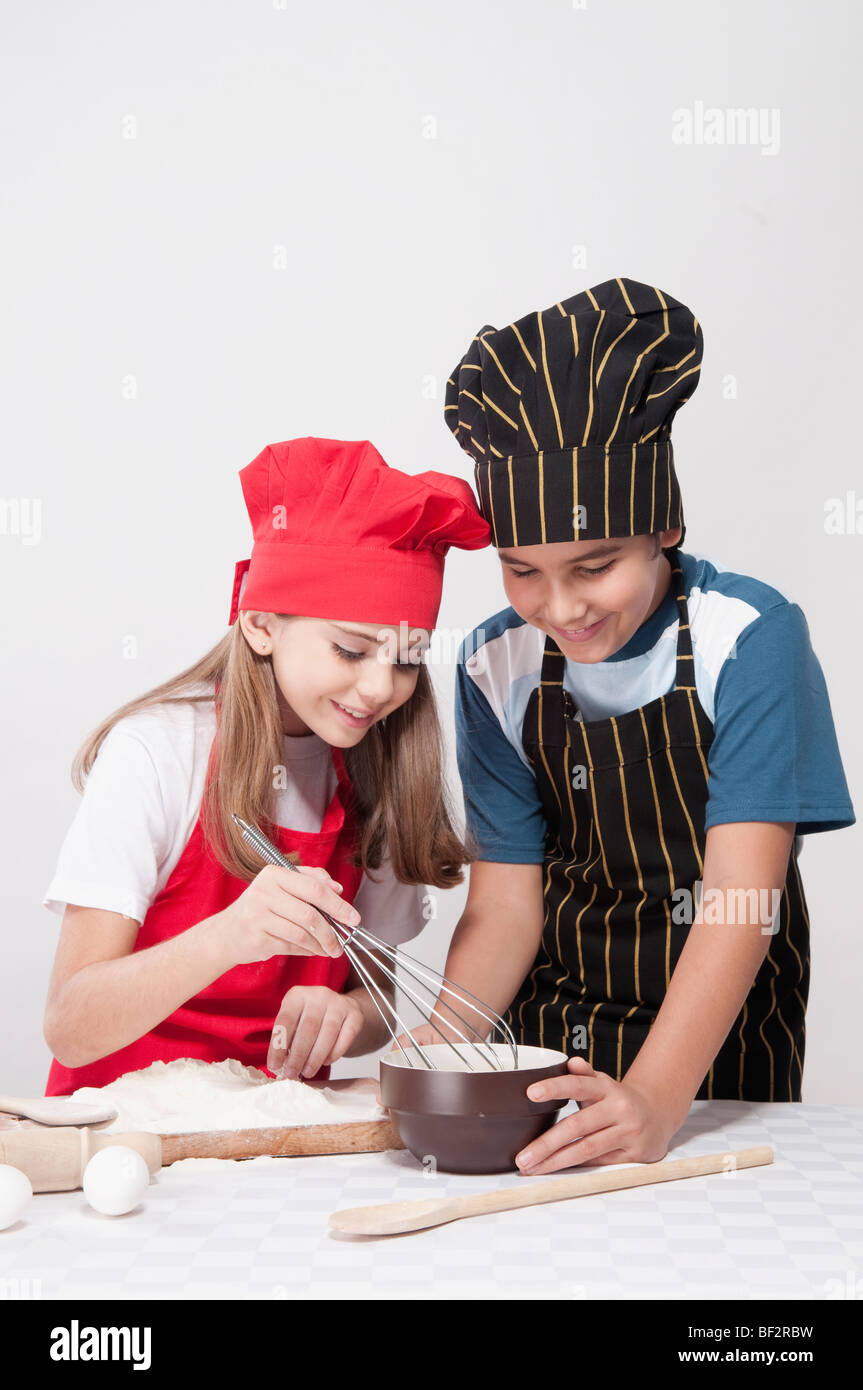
[188, 1095]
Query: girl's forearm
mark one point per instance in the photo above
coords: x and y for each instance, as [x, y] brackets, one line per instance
[111, 1003]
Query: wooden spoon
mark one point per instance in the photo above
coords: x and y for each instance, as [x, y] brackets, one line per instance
[393, 1218]
[56, 1110]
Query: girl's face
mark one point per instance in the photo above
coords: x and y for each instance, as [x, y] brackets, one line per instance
[590, 596]
[337, 678]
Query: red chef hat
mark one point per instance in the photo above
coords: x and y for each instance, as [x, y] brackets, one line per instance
[339, 534]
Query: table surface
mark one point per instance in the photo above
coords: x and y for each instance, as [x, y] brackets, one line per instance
[258, 1228]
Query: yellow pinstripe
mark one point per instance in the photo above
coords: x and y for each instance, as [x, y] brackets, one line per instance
[632, 493]
[683, 805]
[502, 413]
[570, 866]
[524, 348]
[593, 799]
[608, 944]
[654, 395]
[638, 361]
[764, 1020]
[675, 366]
[689, 690]
[620, 1040]
[523, 413]
[590, 375]
[626, 299]
[542, 751]
[512, 502]
[635, 859]
[667, 943]
[549, 386]
[587, 905]
[794, 1053]
[590, 1031]
[497, 362]
[609, 350]
[788, 937]
[659, 826]
[490, 483]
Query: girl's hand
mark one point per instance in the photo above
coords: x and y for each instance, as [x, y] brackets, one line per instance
[277, 916]
[616, 1123]
[315, 1026]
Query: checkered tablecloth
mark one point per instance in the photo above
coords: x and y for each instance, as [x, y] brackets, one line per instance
[258, 1229]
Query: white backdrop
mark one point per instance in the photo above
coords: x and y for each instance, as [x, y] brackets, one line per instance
[234, 223]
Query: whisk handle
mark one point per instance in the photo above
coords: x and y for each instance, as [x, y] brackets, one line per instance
[268, 852]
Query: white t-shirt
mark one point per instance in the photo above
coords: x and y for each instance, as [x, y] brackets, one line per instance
[142, 798]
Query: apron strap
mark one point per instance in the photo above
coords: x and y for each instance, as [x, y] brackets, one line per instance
[685, 675]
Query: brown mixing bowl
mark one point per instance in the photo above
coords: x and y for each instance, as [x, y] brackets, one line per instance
[469, 1121]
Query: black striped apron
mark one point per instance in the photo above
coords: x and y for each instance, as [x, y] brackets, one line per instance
[624, 801]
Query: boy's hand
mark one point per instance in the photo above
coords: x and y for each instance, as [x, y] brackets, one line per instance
[315, 1026]
[616, 1123]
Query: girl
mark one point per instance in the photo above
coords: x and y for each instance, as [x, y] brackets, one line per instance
[314, 719]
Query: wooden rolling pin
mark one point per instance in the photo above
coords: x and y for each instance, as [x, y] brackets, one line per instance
[395, 1218]
[54, 1159]
[360, 1136]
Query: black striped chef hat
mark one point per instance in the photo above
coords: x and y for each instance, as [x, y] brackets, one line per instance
[567, 413]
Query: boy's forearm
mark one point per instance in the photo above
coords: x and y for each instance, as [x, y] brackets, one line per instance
[706, 993]
[110, 1003]
[490, 955]
[718, 963]
[374, 1033]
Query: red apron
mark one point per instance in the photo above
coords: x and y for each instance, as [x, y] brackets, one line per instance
[234, 1016]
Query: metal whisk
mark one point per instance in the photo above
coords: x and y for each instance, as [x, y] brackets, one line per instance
[415, 980]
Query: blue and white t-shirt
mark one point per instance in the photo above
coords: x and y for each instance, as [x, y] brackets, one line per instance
[774, 755]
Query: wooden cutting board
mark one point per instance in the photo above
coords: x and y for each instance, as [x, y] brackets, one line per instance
[352, 1136]
[343, 1137]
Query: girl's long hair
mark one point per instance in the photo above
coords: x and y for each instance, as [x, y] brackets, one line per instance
[401, 800]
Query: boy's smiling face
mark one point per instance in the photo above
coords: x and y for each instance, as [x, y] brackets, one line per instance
[590, 596]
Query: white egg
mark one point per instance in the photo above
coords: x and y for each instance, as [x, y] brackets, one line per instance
[15, 1193]
[115, 1180]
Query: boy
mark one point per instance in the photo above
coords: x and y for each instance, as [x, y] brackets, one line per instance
[642, 738]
